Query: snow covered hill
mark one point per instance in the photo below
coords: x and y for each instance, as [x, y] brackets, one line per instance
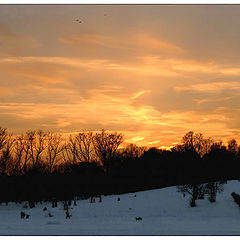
[163, 212]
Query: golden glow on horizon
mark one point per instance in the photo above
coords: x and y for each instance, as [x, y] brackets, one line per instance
[136, 139]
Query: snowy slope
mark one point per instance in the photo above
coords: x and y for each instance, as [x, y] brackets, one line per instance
[163, 212]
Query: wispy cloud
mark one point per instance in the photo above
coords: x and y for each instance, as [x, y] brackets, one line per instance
[209, 87]
[212, 100]
[133, 42]
[139, 94]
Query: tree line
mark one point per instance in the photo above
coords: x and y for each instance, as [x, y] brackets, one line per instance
[39, 166]
[49, 151]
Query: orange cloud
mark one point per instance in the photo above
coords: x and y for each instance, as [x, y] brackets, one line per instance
[139, 94]
[109, 111]
[136, 139]
[210, 87]
[133, 42]
[151, 42]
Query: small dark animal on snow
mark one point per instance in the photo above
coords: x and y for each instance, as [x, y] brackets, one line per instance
[27, 216]
[138, 219]
[118, 199]
[50, 215]
[22, 214]
[68, 215]
[44, 209]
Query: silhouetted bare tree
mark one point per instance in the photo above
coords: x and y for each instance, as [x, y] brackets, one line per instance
[67, 154]
[106, 145]
[84, 142]
[19, 147]
[212, 188]
[36, 143]
[133, 151]
[206, 145]
[218, 145]
[71, 150]
[53, 149]
[6, 160]
[197, 142]
[80, 147]
[232, 146]
[190, 189]
[3, 136]
[26, 143]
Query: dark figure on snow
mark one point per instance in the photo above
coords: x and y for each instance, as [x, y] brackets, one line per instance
[68, 215]
[22, 214]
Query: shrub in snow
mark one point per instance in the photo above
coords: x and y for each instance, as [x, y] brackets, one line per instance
[191, 189]
[212, 188]
[236, 198]
[201, 192]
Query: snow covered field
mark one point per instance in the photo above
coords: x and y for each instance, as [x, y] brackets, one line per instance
[163, 212]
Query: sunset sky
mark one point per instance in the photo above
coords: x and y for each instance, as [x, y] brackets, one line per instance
[152, 72]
